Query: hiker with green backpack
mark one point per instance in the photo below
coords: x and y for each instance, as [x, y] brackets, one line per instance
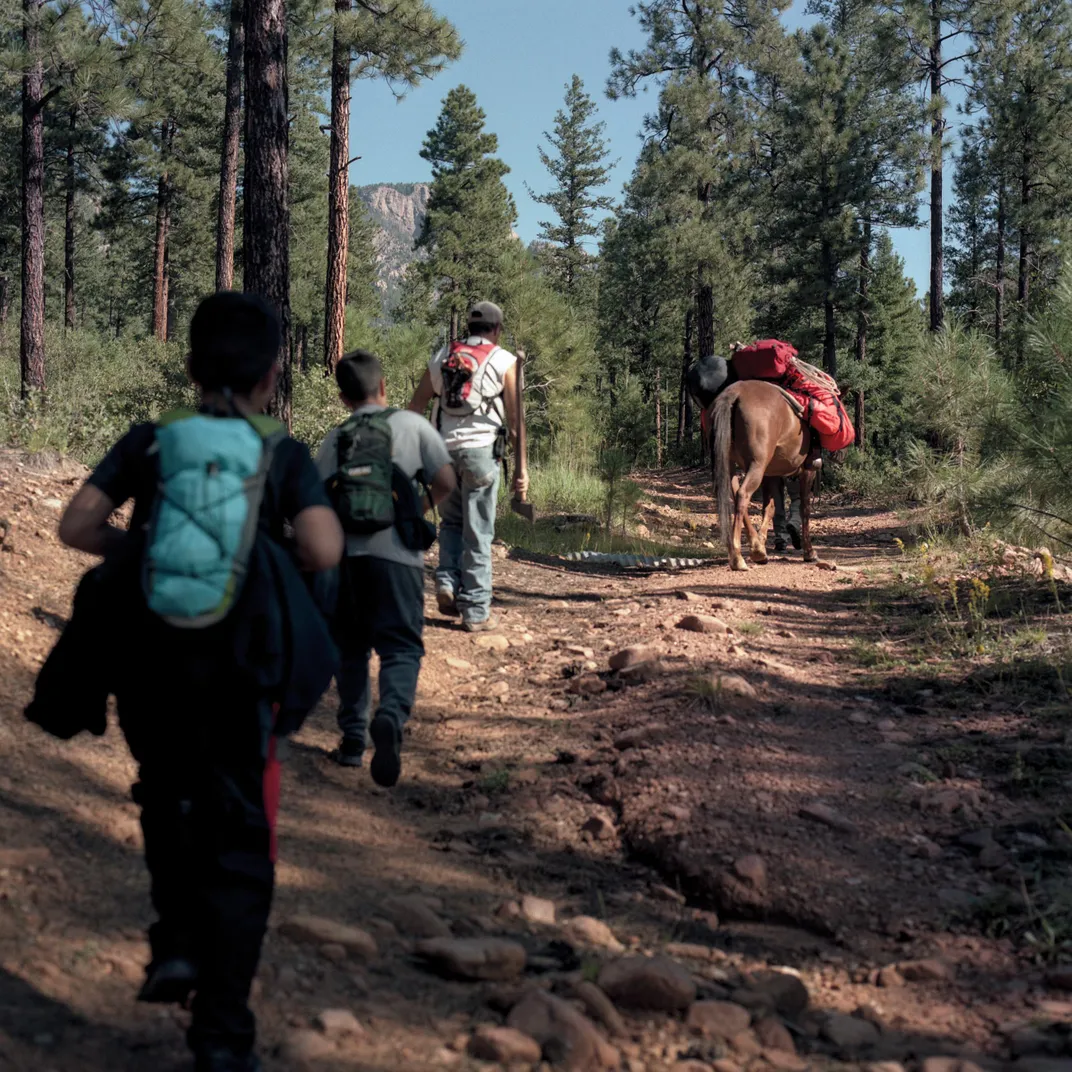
[383, 468]
[199, 622]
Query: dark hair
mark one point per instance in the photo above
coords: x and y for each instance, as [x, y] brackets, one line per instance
[358, 375]
[234, 341]
[482, 327]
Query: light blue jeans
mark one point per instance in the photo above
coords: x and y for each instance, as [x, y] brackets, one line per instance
[466, 529]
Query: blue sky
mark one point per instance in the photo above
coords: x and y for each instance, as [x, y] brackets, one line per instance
[518, 57]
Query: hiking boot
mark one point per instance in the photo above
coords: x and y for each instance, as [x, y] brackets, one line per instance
[386, 763]
[219, 1059]
[350, 753]
[169, 981]
[485, 626]
[792, 526]
[780, 546]
[446, 602]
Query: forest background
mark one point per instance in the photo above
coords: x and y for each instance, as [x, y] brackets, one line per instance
[153, 150]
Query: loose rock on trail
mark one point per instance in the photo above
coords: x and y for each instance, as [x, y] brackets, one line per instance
[758, 853]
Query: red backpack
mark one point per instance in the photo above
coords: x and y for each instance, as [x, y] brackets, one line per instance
[767, 359]
[463, 375]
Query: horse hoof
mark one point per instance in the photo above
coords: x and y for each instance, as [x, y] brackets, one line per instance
[813, 557]
[739, 565]
[759, 558]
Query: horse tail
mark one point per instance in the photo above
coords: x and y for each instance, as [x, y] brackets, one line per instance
[722, 460]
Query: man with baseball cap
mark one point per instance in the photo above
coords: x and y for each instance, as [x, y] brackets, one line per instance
[473, 383]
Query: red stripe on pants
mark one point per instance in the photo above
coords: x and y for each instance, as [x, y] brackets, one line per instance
[272, 785]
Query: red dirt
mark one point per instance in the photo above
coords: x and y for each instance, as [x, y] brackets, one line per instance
[504, 765]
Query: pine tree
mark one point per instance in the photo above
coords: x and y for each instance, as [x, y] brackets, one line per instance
[851, 162]
[579, 167]
[175, 77]
[468, 226]
[266, 206]
[403, 42]
[1023, 80]
[696, 53]
[32, 327]
[932, 31]
[230, 146]
[973, 231]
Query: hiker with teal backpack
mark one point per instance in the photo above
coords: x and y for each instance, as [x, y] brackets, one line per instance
[197, 628]
[384, 468]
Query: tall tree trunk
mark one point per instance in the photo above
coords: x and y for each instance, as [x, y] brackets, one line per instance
[829, 320]
[658, 421]
[68, 225]
[705, 298]
[338, 197]
[863, 315]
[684, 416]
[937, 297]
[303, 348]
[232, 128]
[32, 327]
[267, 213]
[705, 315]
[1023, 281]
[5, 298]
[160, 248]
[999, 267]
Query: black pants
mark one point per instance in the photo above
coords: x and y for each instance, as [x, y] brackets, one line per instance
[209, 846]
[381, 609]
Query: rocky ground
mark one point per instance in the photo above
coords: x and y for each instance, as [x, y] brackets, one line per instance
[798, 817]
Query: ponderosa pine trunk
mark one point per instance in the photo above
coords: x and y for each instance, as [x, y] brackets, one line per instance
[684, 413]
[232, 129]
[658, 421]
[862, 319]
[32, 325]
[158, 325]
[267, 214]
[338, 197]
[1023, 281]
[999, 267]
[937, 297]
[69, 307]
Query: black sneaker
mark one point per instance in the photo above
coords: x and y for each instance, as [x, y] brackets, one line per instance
[218, 1059]
[169, 981]
[350, 753]
[386, 766]
[780, 546]
[793, 528]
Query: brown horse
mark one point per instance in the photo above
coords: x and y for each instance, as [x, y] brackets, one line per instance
[754, 426]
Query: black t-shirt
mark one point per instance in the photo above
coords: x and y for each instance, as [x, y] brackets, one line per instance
[129, 471]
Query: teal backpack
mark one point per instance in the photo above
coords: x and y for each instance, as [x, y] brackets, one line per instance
[361, 489]
[212, 473]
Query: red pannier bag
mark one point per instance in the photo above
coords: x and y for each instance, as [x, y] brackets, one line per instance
[768, 359]
[823, 409]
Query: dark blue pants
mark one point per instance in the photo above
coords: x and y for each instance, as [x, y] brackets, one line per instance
[208, 845]
[381, 609]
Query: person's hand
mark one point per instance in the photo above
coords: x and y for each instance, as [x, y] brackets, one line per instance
[521, 484]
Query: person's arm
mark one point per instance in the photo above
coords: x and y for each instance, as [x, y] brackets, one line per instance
[443, 483]
[423, 396]
[318, 538]
[85, 524]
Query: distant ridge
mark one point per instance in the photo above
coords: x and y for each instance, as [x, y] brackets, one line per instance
[398, 210]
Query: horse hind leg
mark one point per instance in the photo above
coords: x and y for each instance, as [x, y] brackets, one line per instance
[771, 487]
[752, 480]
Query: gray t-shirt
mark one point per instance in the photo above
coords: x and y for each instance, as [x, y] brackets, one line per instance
[415, 446]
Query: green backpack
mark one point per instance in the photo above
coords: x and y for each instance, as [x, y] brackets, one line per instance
[361, 489]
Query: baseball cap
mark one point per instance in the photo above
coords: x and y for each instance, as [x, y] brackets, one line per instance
[486, 312]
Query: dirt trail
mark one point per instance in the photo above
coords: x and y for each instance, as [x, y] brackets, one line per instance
[762, 798]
